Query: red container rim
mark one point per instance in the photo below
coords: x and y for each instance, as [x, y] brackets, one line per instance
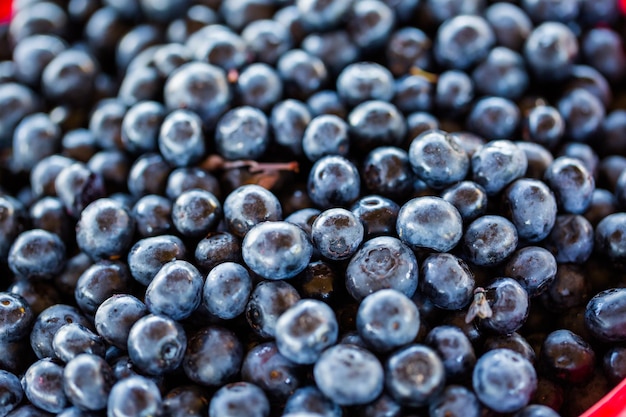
[6, 9]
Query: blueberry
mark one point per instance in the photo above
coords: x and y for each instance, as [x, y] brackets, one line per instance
[604, 315]
[455, 400]
[188, 400]
[216, 248]
[429, 222]
[454, 92]
[325, 135]
[115, 317]
[583, 114]
[305, 329]
[279, 377]
[184, 179]
[513, 341]
[567, 357]
[11, 392]
[490, 240]
[73, 339]
[43, 386]
[335, 48]
[249, 205]
[196, 212]
[550, 51]
[311, 400]
[377, 214]
[70, 77]
[571, 239]
[414, 93]
[613, 364]
[446, 281]
[180, 140]
[376, 123]
[17, 317]
[242, 133]
[469, 198]
[504, 380]
[289, 120]
[239, 399]
[213, 357]
[302, 73]
[17, 102]
[407, 47]
[77, 186]
[349, 375]
[364, 81]
[370, 23]
[533, 267]
[175, 291]
[153, 216]
[156, 344]
[337, 233]
[322, 15]
[268, 301]
[99, 282]
[276, 250]
[462, 41]
[501, 74]
[148, 255]
[414, 375]
[494, 118]
[387, 319]
[48, 323]
[569, 289]
[35, 138]
[382, 262]
[140, 126]
[134, 396]
[268, 39]
[437, 159]
[383, 406]
[572, 184]
[226, 290]
[498, 163]
[87, 382]
[536, 410]
[509, 304]
[259, 86]
[532, 208]
[37, 254]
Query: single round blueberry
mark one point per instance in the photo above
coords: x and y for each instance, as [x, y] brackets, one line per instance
[382, 262]
[186, 401]
[322, 14]
[454, 349]
[509, 304]
[469, 198]
[43, 386]
[288, 121]
[48, 323]
[148, 175]
[140, 126]
[551, 50]
[572, 184]
[533, 267]
[153, 215]
[349, 375]
[333, 181]
[490, 240]
[455, 400]
[242, 133]
[175, 291]
[454, 92]
[447, 281]
[610, 237]
[605, 315]
[401, 368]
[583, 114]
[226, 50]
[376, 123]
[276, 250]
[248, 206]
[115, 317]
[545, 126]
[414, 93]
[494, 118]
[77, 186]
[305, 330]
[214, 355]
[532, 208]
[406, 48]
[377, 214]
[16, 317]
[156, 344]
[497, 164]
[504, 380]
[513, 341]
[325, 135]
[196, 212]
[87, 382]
[74, 339]
[463, 41]
[387, 319]
[216, 248]
[326, 102]
[364, 81]
[268, 301]
[239, 399]
[134, 396]
[259, 86]
[501, 74]
[180, 140]
[370, 23]
[437, 159]
[99, 282]
[11, 392]
[148, 255]
[537, 410]
[388, 172]
[185, 179]
[431, 223]
[35, 138]
[226, 290]
[105, 229]
[310, 399]
[571, 239]
[302, 73]
[337, 233]
[567, 357]
[268, 39]
[37, 254]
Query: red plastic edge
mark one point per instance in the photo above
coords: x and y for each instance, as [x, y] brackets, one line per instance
[612, 404]
[6, 9]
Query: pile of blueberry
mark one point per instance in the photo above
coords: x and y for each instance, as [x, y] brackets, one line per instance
[312, 208]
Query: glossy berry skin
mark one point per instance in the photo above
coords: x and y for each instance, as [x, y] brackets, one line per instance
[69, 77]
[533, 267]
[325, 135]
[156, 344]
[153, 215]
[148, 175]
[276, 250]
[322, 15]
[377, 214]
[180, 140]
[489, 240]
[501, 74]
[242, 133]
[268, 301]
[572, 184]
[259, 86]
[326, 101]
[388, 172]
[115, 317]
[16, 317]
[306, 329]
[99, 282]
[87, 381]
[239, 399]
[550, 51]
[537, 410]
[455, 400]
[213, 356]
[268, 39]
[73, 339]
[462, 41]
[454, 349]
[429, 222]
[37, 254]
[267, 368]
[337, 233]
[376, 123]
[333, 181]
[532, 208]
[402, 368]
[215, 248]
[571, 239]
[187, 400]
[469, 198]
[196, 212]
[141, 125]
[175, 291]
[226, 290]
[302, 73]
[35, 138]
[437, 159]
[387, 319]
[349, 375]
[382, 262]
[43, 386]
[11, 392]
[509, 304]
[310, 399]
[609, 239]
[289, 120]
[567, 357]
[364, 81]
[504, 380]
[148, 255]
[184, 179]
[77, 186]
[198, 87]
[134, 396]
[48, 323]
[249, 205]
[545, 126]
[446, 281]
[497, 164]
[604, 315]
[105, 229]
[613, 364]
